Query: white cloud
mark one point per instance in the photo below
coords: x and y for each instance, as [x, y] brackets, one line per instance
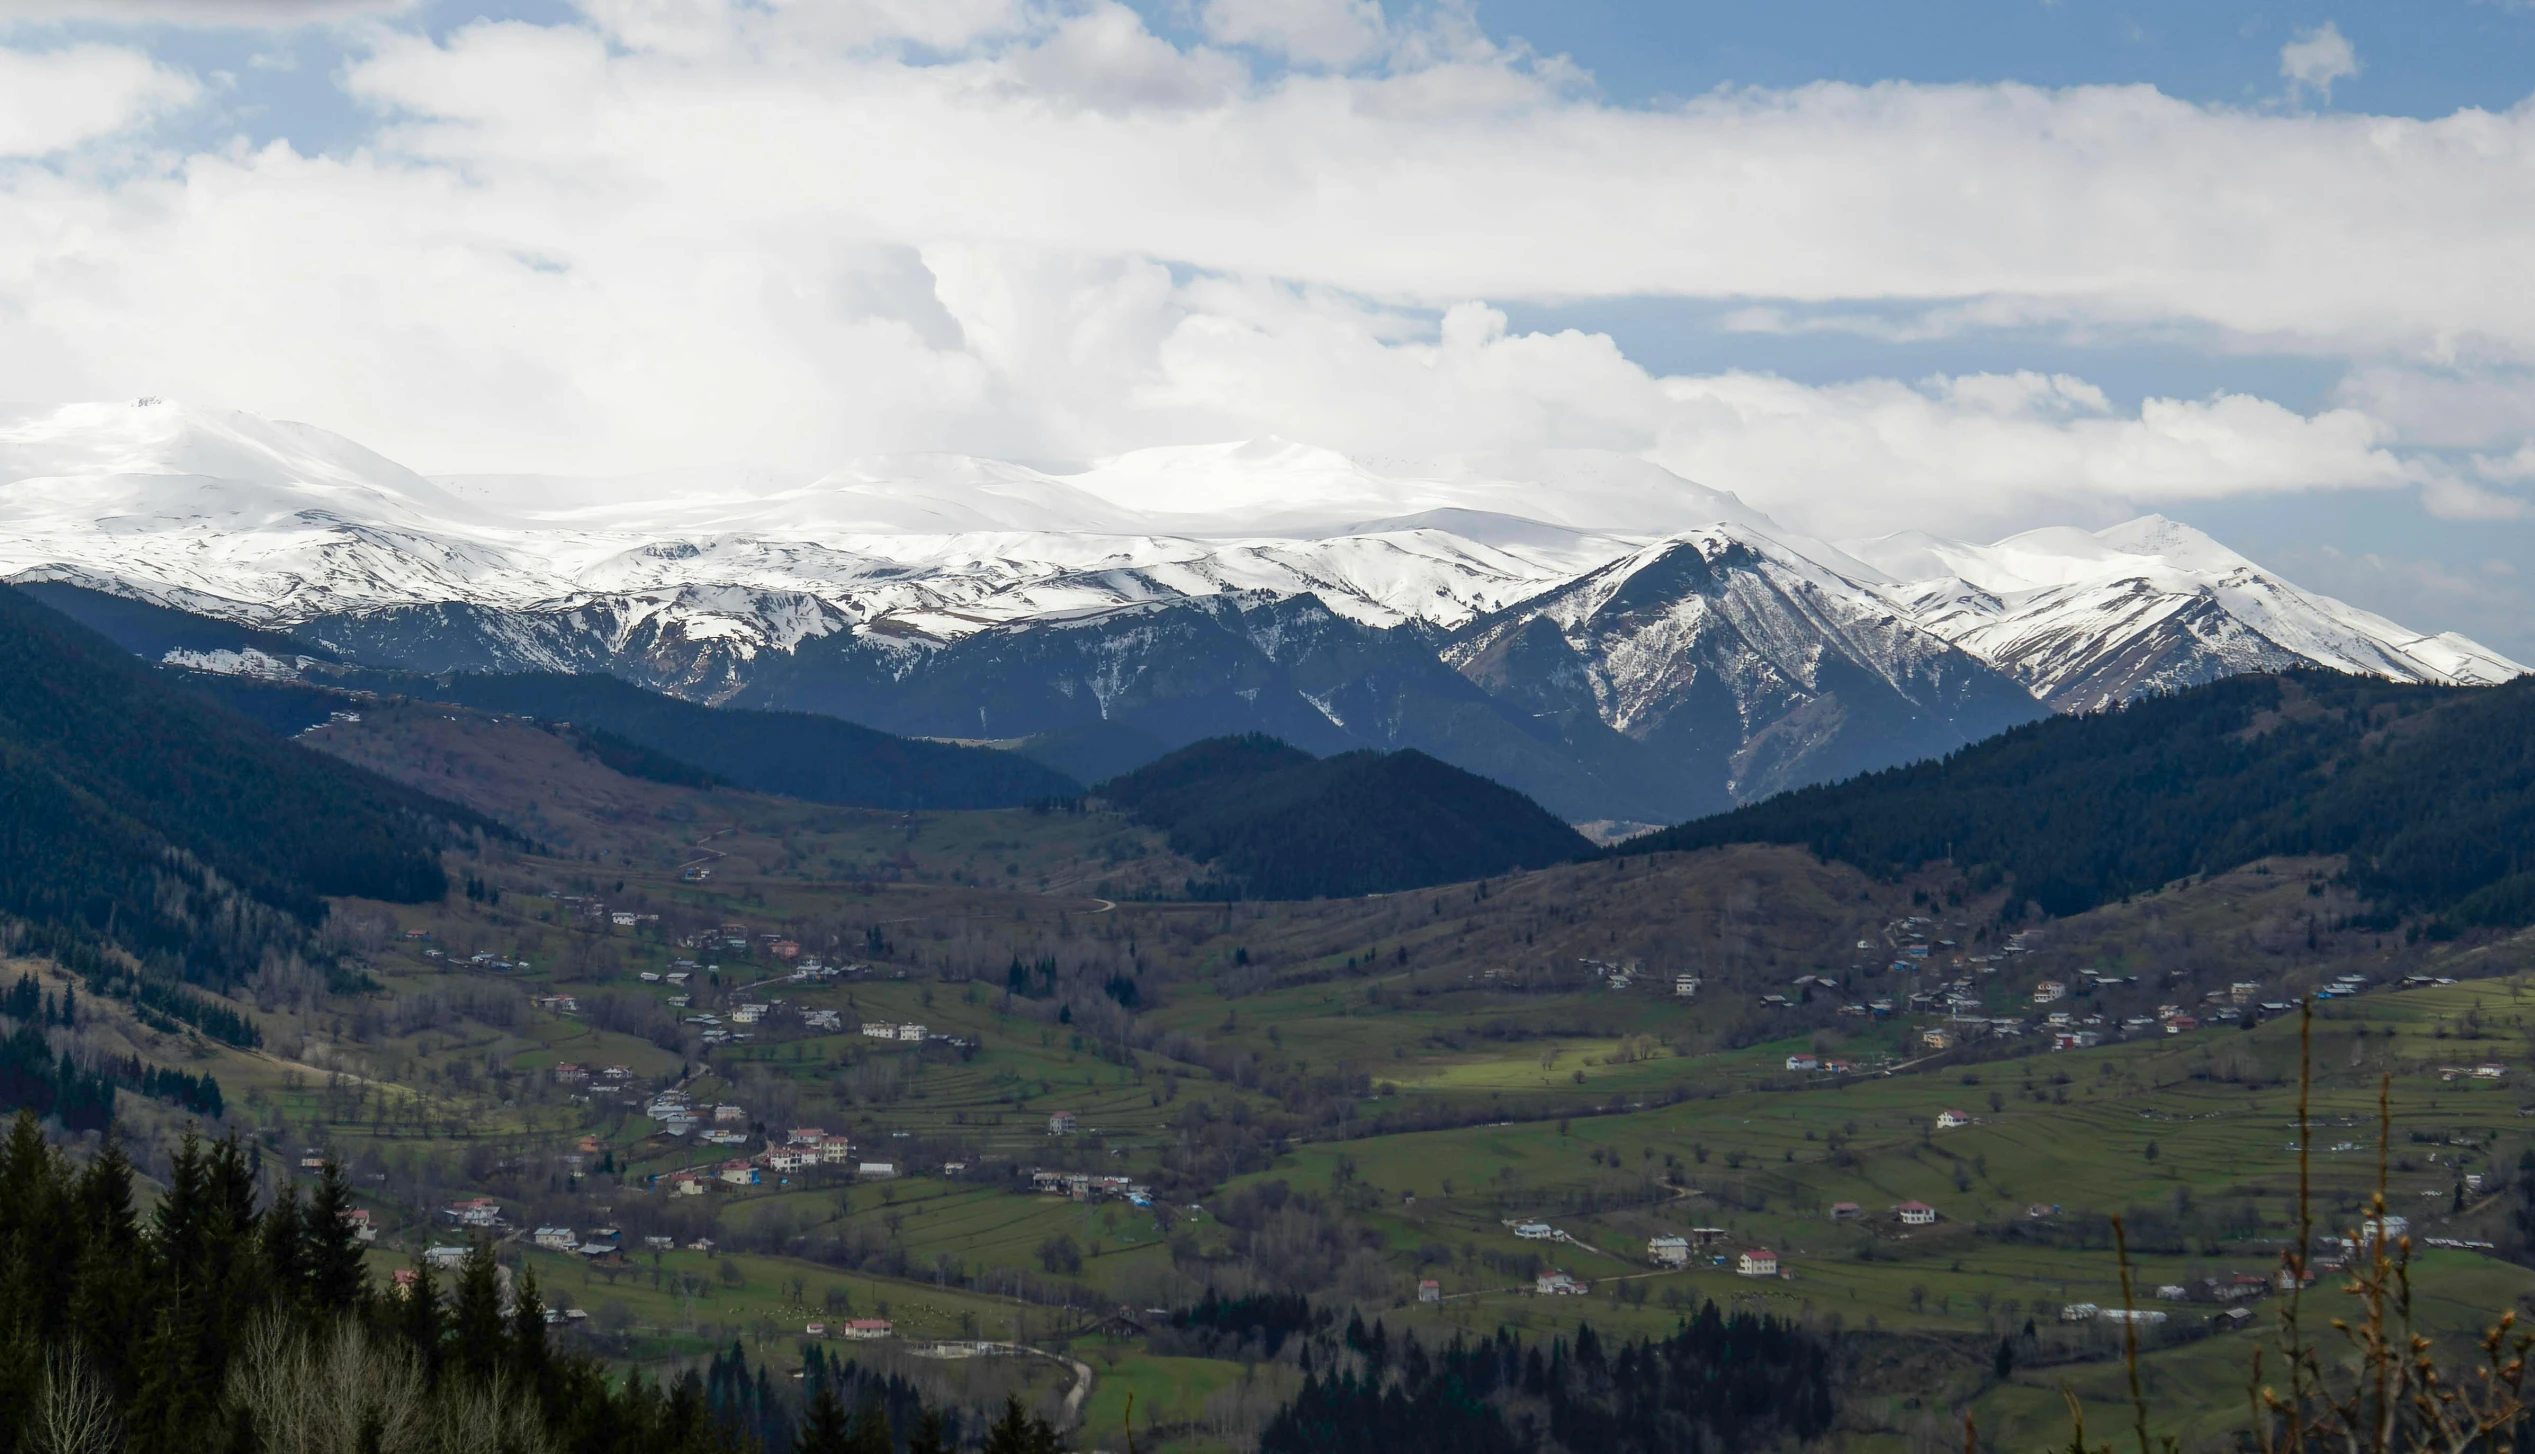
[2316, 59]
[211, 14]
[1316, 32]
[712, 229]
[1990, 451]
[51, 101]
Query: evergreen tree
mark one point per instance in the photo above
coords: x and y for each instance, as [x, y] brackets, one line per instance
[929, 1436]
[337, 1280]
[281, 1247]
[824, 1429]
[1020, 1432]
[418, 1318]
[475, 1316]
[529, 1354]
[872, 1434]
[105, 1306]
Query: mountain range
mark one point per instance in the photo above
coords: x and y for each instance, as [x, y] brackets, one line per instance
[1624, 645]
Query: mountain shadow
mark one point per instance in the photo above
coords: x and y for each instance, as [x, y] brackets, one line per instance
[1275, 822]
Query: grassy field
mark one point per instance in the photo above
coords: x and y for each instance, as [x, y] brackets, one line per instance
[1346, 1098]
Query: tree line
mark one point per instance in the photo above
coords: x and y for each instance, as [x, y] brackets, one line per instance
[1716, 1383]
[2428, 791]
[215, 1323]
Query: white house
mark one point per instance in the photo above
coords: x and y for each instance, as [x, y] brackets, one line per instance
[877, 1169]
[1668, 1251]
[1951, 1120]
[1804, 1062]
[867, 1328]
[1535, 1231]
[556, 1239]
[1758, 1262]
[880, 1029]
[1061, 1124]
[2048, 991]
[739, 1173]
[911, 1032]
[1916, 1214]
[1557, 1284]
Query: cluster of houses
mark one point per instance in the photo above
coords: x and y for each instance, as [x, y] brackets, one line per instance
[804, 1148]
[1812, 1064]
[1084, 1187]
[601, 1245]
[883, 1030]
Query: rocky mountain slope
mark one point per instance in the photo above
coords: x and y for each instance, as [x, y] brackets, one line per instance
[1616, 641]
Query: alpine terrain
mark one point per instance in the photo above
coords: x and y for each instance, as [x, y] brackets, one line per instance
[1621, 644]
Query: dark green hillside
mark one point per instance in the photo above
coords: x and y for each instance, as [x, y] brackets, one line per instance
[152, 631]
[2429, 790]
[134, 812]
[1281, 824]
[795, 754]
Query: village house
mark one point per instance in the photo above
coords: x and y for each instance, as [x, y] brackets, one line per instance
[474, 1212]
[1668, 1251]
[1557, 1284]
[911, 1032]
[1061, 1124]
[444, 1257]
[880, 1029]
[1536, 1231]
[1951, 1120]
[1845, 1211]
[835, 1151]
[793, 1159]
[867, 1328]
[2049, 991]
[555, 1239]
[739, 1173]
[571, 1074]
[1757, 1262]
[358, 1219]
[686, 1184]
[877, 1170]
[1803, 1062]
[1685, 985]
[1937, 1037]
[1430, 1291]
[1916, 1214]
[729, 1116]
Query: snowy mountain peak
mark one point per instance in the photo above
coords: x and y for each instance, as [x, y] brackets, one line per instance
[1604, 622]
[2087, 619]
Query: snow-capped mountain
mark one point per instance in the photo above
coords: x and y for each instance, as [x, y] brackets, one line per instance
[2088, 620]
[1616, 640]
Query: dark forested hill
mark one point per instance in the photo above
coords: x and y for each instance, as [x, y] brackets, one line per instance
[1279, 823]
[796, 754]
[2430, 791]
[135, 812]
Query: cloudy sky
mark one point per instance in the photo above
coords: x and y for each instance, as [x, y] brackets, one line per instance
[1961, 267]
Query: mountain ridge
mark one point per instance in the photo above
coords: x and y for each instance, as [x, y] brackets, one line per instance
[1341, 602]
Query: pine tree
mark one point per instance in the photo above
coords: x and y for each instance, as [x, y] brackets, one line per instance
[418, 1318]
[336, 1279]
[529, 1355]
[475, 1316]
[872, 1434]
[823, 1425]
[1020, 1432]
[105, 1307]
[281, 1250]
[929, 1436]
